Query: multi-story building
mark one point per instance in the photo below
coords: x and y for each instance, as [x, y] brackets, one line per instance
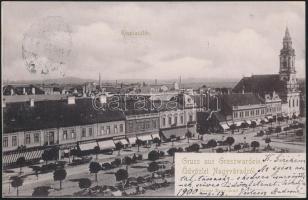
[177, 116]
[228, 109]
[273, 105]
[239, 108]
[67, 124]
[142, 119]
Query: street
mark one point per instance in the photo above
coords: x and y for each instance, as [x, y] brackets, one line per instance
[140, 169]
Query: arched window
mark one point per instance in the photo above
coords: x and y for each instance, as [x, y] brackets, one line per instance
[289, 103]
[164, 121]
[182, 119]
[175, 119]
[169, 120]
[190, 117]
[64, 134]
[293, 103]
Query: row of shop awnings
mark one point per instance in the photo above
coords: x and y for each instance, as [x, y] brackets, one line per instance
[29, 155]
[106, 144]
[87, 146]
[110, 144]
[132, 140]
[178, 132]
[226, 125]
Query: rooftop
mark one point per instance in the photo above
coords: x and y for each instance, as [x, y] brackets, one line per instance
[20, 116]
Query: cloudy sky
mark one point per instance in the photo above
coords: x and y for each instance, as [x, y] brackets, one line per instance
[194, 40]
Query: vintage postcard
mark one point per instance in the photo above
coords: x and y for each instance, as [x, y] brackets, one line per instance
[153, 99]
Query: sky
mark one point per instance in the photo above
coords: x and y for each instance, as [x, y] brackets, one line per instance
[188, 39]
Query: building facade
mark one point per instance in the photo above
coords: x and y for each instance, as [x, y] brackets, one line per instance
[66, 124]
[239, 108]
[142, 119]
[176, 119]
[273, 105]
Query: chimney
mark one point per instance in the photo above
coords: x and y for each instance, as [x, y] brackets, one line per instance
[33, 90]
[31, 102]
[71, 100]
[84, 91]
[24, 91]
[99, 80]
[12, 92]
[180, 85]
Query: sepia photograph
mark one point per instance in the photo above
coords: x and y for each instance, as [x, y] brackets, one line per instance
[153, 99]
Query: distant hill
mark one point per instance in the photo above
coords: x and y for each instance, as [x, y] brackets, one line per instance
[64, 80]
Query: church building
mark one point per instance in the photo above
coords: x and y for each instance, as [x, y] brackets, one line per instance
[284, 84]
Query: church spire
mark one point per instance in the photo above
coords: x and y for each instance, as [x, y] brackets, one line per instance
[287, 34]
[287, 40]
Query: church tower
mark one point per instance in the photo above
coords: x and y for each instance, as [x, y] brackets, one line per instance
[287, 75]
[287, 59]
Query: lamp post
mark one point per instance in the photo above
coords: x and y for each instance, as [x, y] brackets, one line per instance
[245, 143]
[216, 97]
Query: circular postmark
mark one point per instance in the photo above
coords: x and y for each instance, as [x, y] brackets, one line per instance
[46, 46]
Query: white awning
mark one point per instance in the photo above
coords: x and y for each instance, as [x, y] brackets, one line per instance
[229, 123]
[238, 123]
[144, 137]
[66, 151]
[132, 140]
[123, 141]
[29, 155]
[224, 126]
[87, 146]
[106, 144]
[156, 135]
[248, 122]
[117, 193]
[265, 120]
[269, 117]
[258, 121]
